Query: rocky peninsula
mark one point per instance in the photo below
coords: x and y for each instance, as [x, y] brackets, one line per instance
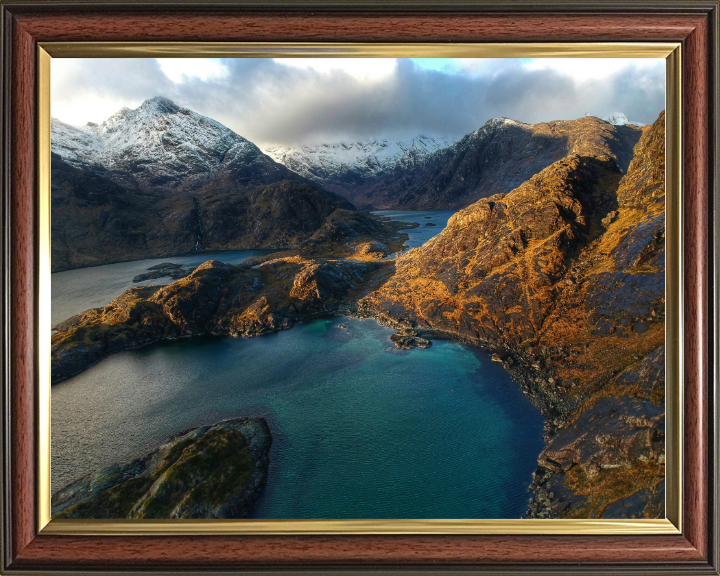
[215, 471]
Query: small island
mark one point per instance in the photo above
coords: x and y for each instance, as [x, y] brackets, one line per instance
[213, 471]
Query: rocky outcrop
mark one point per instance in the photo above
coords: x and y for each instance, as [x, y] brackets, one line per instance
[409, 339]
[162, 180]
[355, 235]
[166, 269]
[471, 278]
[217, 299]
[609, 462]
[563, 280]
[213, 471]
[494, 159]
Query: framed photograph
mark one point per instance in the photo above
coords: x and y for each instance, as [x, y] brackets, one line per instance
[295, 287]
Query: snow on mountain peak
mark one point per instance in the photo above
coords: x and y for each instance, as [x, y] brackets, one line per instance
[160, 104]
[369, 158]
[495, 123]
[158, 133]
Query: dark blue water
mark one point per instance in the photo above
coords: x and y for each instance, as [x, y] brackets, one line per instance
[418, 236]
[361, 430]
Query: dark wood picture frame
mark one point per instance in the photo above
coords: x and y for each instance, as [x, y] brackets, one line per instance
[693, 24]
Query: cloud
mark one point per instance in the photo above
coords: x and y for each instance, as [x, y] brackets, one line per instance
[184, 69]
[291, 101]
[363, 69]
[92, 89]
[589, 69]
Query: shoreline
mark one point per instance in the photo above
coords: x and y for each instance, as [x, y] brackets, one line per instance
[516, 374]
[518, 468]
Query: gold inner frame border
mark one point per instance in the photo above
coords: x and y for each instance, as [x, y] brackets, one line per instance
[671, 524]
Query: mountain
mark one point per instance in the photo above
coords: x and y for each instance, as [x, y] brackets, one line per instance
[494, 159]
[562, 279]
[342, 166]
[160, 144]
[162, 179]
[619, 119]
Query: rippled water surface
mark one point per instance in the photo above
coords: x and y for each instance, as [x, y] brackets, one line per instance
[361, 430]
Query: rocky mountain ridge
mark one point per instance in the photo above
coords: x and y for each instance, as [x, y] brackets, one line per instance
[495, 158]
[563, 280]
[163, 180]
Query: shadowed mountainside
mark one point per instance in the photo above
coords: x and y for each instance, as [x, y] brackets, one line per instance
[163, 180]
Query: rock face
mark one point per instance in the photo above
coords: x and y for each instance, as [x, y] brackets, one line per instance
[355, 235]
[609, 462]
[494, 159]
[573, 301]
[163, 180]
[214, 471]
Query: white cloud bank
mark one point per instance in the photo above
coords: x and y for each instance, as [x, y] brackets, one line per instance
[296, 100]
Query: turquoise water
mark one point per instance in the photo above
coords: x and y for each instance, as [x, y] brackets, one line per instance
[361, 430]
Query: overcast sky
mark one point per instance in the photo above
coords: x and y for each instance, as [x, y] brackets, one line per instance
[302, 101]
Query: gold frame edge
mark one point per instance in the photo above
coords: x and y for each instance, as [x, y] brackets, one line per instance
[379, 527]
[369, 50]
[44, 318]
[673, 290]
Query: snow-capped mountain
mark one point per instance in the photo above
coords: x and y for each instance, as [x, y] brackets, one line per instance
[368, 159]
[162, 179]
[159, 142]
[619, 119]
